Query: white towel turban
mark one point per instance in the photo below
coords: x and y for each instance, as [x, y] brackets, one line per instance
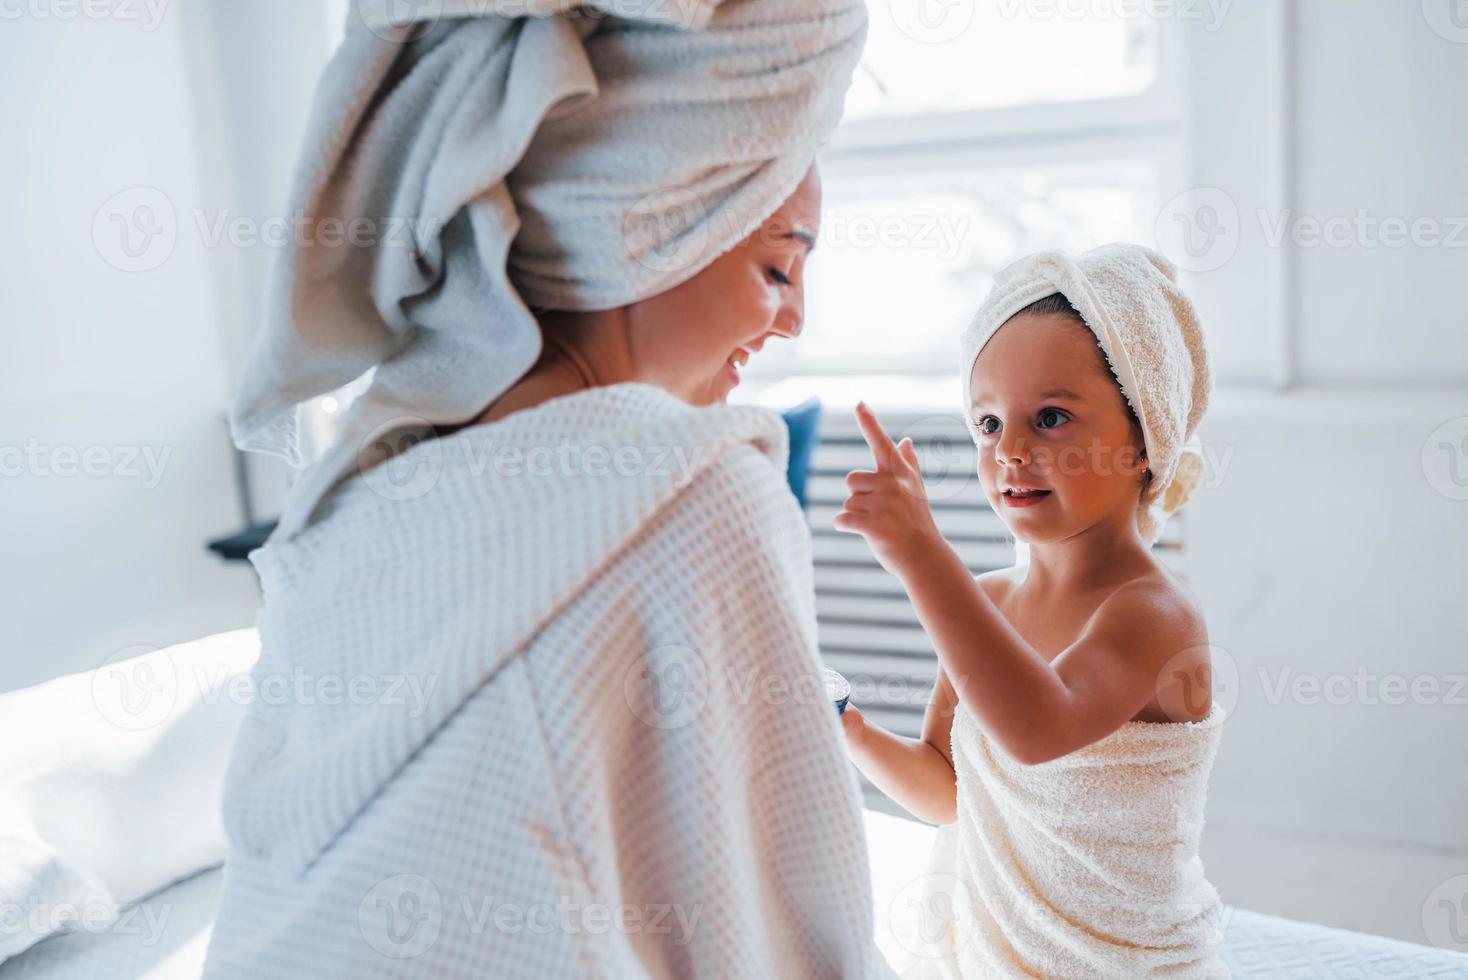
[1153, 342]
[486, 157]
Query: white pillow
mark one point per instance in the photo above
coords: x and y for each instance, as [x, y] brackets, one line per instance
[110, 782]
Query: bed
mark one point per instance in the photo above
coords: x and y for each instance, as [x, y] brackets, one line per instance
[103, 774]
[165, 937]
[1255, 945]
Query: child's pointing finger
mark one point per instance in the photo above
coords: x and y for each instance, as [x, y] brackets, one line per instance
[876, 437]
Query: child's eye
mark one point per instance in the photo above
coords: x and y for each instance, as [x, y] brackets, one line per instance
[986, 428]
[1053, 416]
[779, 276]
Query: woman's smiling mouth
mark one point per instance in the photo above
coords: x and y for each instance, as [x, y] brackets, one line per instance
[737, 360]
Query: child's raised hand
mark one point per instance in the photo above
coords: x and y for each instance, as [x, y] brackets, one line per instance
[888, 507]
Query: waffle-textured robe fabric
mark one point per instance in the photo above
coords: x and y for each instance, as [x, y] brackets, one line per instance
[589, 736]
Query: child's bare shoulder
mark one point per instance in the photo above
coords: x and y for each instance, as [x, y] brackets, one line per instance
[1174, 643]
[998, 582]
[1162, 597]
[1159, 619]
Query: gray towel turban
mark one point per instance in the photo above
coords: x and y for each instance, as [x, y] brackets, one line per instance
[482, 158]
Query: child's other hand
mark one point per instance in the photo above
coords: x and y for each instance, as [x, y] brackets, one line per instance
[889, 507]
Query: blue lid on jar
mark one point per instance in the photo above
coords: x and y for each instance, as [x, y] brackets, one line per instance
[838, 689]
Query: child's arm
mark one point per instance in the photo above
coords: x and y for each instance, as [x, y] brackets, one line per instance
[1036, 710]
[916, 773]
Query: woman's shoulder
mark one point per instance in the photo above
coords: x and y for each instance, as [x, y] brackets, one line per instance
[737, 536]
[742, 488]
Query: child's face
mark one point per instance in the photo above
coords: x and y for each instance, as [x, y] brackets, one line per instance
[1081, 447]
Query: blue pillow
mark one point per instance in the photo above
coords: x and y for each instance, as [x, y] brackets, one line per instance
[804, 423]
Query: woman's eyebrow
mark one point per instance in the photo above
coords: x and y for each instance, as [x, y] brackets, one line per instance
[802, 236]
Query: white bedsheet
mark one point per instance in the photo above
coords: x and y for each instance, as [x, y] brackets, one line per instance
[1257, 947]
[110, 782]
[161, 938]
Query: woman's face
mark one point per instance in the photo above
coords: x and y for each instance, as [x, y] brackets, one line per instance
[694, 339]
[1053, 419]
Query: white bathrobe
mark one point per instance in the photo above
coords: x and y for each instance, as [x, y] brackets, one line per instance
[546, 703]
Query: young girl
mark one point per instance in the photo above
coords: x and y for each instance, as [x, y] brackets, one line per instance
[1067, 746]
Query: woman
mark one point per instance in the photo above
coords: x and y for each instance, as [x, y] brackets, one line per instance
[546, 603]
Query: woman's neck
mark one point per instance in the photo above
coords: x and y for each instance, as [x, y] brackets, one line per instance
[567, 364]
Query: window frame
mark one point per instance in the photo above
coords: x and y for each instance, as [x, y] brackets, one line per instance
[1150, 125]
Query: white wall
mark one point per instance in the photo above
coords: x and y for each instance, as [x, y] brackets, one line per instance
[1382, 127]
[1324, 547]
[108, 360]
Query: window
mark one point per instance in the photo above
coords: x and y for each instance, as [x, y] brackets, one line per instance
[975, 133]
[991, 54]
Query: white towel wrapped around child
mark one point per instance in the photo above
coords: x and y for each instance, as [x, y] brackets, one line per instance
[1085, 866]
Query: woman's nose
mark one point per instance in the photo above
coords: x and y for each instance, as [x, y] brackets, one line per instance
[788, 324]
[791, 318]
